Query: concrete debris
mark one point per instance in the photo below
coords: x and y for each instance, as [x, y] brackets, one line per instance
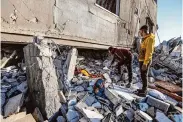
[62, 97]
[92, 115]
[72, 85]
[61, 119]
[13, 105]
[43, 82]
[158, 104]
[72, 116]
[142, 117]
[37, 115]
[27, 118]
[160, 117]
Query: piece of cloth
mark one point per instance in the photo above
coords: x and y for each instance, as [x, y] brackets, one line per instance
[124, 57]
[147, 49]
[144, 75]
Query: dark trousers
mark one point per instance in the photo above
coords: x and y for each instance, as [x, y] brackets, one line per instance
[128, 64]
[144, 75]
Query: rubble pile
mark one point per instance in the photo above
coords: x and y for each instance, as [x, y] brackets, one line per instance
[13, 90]
[167, 62]
[70, 85]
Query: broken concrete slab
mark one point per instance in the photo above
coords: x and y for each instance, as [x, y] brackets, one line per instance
[112, 96]
[119, 110]
[13, 105]
[61, 119]
[161, 117]
[27, 118]
[92, 115]
[37, 115]
[42, 80]
[15, 117]
[83, 120]
[158, 104]
[62, 97]
[71, 63]
[72, 116]
[151, 112]
[142, 116]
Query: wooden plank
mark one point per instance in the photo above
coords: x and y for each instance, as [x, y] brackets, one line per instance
[172, 95]
[168, 86]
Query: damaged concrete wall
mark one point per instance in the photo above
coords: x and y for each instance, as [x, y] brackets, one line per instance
[80, 23]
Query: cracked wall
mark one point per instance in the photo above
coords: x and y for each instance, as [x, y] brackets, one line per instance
[76, 20]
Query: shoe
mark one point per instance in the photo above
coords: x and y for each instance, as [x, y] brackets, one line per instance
[128, 85]
[141, 93]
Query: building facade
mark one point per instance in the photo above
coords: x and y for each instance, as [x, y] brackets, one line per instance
[80, 23]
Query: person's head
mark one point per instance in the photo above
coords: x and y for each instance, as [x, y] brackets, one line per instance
[143, 30]
[111, 50]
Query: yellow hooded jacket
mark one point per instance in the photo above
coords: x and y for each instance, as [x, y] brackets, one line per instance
[147, 48]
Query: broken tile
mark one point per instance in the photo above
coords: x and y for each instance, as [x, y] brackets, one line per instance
[13, 105]
[112, 96]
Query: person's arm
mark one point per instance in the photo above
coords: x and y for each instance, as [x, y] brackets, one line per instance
[149, 51]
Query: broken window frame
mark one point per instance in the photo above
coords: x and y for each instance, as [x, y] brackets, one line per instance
[109, 5]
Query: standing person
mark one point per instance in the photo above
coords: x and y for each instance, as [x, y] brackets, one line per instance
[125, 58]
[145, 57]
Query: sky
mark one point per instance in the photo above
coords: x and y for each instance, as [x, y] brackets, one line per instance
[169, 19]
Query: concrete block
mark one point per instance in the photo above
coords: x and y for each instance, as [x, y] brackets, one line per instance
[107, 77]
[158, 104]
[14, 104]
[151, 112]
[142, 117]
[119, 110]
[83, 120]
[92, 115]
[97, 105]
[61, 119]
[71, 63]
[72, 116]
[161, 117]
[112, 96]
[62, 97]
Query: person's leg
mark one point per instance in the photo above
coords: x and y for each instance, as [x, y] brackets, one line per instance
[129, 67]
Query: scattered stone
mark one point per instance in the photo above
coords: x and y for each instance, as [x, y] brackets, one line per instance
[89, 100]
[157, 94]
[151, 112]
[72, 116]
[62, 97]
[129, 114]
[72, 102]
[61, 119]
[14, 104]
[160, 117]
[143, 106]
[97, 105]
[79, 88]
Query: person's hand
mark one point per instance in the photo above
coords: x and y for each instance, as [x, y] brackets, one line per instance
[144, 67]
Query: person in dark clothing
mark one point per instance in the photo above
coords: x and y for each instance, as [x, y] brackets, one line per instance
[124, 57]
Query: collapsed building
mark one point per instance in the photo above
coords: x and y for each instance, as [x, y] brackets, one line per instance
[57, 78]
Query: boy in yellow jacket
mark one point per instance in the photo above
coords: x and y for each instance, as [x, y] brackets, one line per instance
[145, 57]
